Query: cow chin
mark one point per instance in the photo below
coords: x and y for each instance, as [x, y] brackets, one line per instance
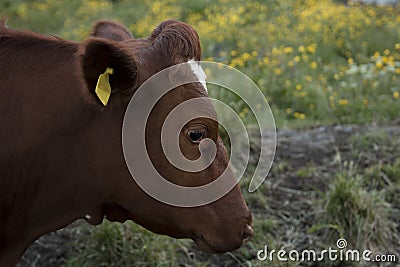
[207, 246]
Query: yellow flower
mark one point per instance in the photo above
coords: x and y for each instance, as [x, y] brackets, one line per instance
[314, 65]
[234, 53]
[396, 94]
[297, 59]
[299, 115]
[312, 48]
[290, 63]
[397, 46]
[302, 49]
[350, 61]
[266, 60]
[391, 61]
[386, 52]
[237, 62]
[336, 76]
[299, 87]
[278, 71]
[308, 78]
[234, 18]
[379, 64]
[244, 112]
[288, 50]
[288, 110]
[156, 7]
[246, 56]
[397, 71]
[365, 102]
[343, 102]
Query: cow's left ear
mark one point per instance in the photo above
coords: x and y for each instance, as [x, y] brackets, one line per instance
[99, 58]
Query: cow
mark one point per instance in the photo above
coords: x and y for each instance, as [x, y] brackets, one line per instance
[61, 157]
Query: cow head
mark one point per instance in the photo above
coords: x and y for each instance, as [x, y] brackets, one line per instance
[222, 225]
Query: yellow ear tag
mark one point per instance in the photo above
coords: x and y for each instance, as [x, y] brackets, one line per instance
[103, 87]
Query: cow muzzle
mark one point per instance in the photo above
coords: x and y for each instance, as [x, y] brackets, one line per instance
[224, 244]
[247, 233]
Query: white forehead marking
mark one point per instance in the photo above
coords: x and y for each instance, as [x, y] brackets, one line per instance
[198, 71]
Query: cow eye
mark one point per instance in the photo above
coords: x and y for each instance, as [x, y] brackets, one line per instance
[195, 136]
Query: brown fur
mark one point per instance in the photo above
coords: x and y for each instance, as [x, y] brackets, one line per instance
[177, 41]
[111, 30]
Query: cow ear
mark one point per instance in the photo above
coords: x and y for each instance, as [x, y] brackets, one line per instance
[111, 30]
[104, 62]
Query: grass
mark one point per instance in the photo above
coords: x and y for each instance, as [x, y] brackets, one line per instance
[386, 178]
[360, 216]
[359, 209]
[112, 244]
[307, 172]
[370, 140]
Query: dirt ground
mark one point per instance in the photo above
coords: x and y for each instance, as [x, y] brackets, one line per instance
[312, 153]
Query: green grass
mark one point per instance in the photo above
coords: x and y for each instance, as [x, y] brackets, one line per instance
[115, 244]
[307, 172]
[386, 178]
[358, 209]
[370, 140]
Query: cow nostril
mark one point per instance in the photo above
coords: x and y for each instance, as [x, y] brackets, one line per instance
[247, 233]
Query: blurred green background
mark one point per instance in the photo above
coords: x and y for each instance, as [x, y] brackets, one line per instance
[318, 62]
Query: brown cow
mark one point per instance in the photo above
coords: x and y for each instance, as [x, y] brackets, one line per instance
[61, 157]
